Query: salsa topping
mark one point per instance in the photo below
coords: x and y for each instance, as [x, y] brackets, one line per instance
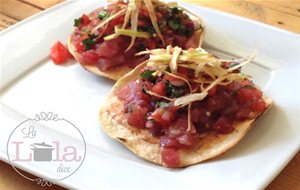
[115, 33]
[182, 95]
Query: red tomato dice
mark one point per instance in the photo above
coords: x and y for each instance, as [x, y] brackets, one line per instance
[85, 20]
[163, 116]
[59, 53]
[159, 88]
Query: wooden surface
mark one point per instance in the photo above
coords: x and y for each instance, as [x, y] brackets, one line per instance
[280, 13]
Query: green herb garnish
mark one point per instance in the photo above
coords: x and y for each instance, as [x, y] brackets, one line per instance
[188, 32]
[174, 91]
[89, 42]
[173, 25]
[77, 22]
[147, 74]
[103, 15]
[185, 31]
[175, 10]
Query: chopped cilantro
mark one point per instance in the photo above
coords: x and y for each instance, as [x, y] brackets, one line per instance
[103, 15]
[182, 27]
[173, 91]
[185, 31]
[189, 32]
[78, 21]
[147, 74]
[175, 10]
[89, 42]
[168, 69]
[176, 25]
[173, 24]
[177, 20]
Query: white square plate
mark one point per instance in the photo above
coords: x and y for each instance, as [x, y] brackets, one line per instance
[31, 83]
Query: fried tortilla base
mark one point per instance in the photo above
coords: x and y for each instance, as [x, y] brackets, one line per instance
[143, 144]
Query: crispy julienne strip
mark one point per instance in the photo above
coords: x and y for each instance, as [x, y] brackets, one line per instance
[134, 20]
[128, 12]
[248, 60]
[190, 124]
[157, 95]
[153, 18]
[106, 25]
[132, 12]
[126, 32]
[199, 68]
[179, 77]
[173, 63]
[185, 100]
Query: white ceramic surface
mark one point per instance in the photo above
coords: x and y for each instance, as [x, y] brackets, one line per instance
[31, 83]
